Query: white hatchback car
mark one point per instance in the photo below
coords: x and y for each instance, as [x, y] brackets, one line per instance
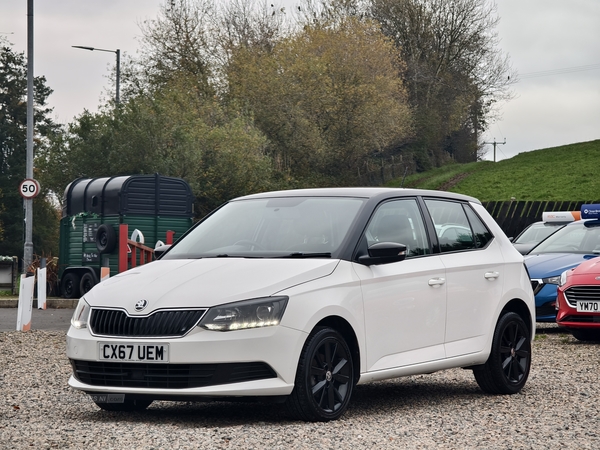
[298, 296]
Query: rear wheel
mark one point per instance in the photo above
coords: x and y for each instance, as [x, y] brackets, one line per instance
[130, 404]
[324, 379]
[70, 285]
[507, 367]
[87, 283]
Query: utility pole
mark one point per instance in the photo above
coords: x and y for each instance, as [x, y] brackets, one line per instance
[28, 247]
[494, 144]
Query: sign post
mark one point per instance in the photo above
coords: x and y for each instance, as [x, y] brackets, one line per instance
[29, 188]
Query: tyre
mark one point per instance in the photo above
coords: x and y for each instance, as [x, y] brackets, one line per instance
[507, 367]
[70, 285]
[585, 335]
[128, 405]
[106, 238]
[324, 378]
[88, 281]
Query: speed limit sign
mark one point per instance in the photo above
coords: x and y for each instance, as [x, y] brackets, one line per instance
[29, 188]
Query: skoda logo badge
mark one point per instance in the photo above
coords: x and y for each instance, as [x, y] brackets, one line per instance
[140, 305]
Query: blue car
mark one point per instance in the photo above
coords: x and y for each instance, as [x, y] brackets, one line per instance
[564, 250]
[552, 221]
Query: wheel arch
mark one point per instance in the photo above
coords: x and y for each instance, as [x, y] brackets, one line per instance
[519, 307]
[343, 327]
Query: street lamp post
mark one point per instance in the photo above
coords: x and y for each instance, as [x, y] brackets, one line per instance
[118, 52]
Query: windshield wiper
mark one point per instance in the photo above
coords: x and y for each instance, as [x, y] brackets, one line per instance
[307, 255]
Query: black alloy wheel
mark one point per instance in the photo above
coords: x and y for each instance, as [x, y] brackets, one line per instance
[507, 367]
[324, 379]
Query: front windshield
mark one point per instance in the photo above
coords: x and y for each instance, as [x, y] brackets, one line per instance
[581, 237]
[272, 227]
[537, 233]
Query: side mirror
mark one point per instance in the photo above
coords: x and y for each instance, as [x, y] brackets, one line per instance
[158, 251]
[383, 253]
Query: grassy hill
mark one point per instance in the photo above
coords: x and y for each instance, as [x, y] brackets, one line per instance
[569, 172]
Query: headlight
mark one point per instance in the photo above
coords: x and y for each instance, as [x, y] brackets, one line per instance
[564, 277]
[261, 312]
[552, 280]
[81, 314]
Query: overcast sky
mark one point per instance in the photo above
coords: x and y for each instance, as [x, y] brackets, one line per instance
[553, 44]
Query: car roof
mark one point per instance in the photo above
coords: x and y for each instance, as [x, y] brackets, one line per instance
[360, 192]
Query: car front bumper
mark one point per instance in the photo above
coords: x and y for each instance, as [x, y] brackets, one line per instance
[277, 348]
[545, 303]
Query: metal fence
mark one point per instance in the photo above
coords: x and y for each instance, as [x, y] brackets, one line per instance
[514, 216]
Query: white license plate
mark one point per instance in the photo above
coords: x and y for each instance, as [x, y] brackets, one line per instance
[583, 306]
[150, 353]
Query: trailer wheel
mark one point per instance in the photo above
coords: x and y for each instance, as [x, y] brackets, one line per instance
[70, 285]
[106, 238]
[87, 283]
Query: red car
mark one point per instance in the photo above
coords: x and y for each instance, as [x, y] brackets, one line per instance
[578, 301]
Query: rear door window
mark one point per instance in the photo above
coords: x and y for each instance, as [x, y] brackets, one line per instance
[457, 226]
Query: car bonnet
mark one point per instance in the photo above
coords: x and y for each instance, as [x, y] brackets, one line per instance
[204, 282]
[552, 264]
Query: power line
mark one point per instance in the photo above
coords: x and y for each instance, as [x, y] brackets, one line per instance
[545, 73]
[494, 144]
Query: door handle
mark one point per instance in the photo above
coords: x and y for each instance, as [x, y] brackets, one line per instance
[491, 275]
[436, 282]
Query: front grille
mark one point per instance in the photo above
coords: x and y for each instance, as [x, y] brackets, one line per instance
[585, 293]
[168, 376]
[537, 286]
[167, 323]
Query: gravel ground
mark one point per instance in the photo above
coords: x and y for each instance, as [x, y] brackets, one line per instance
[558, 408]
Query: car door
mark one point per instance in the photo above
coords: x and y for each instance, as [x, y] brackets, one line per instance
[474, 268]
[405, 301]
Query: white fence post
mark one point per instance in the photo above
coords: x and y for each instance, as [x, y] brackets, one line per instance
[25, 303]
[41, 285]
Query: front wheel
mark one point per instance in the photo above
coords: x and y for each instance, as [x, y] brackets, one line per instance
[324, 378]
[585, 334]
[507, 367]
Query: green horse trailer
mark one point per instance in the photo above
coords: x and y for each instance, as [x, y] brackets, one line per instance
[154, 208]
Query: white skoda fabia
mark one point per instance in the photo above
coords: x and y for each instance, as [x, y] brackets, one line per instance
[299, 296]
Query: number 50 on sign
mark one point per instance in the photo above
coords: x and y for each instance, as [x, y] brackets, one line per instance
[29, 188]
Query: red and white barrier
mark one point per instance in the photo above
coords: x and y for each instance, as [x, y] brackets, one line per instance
[25, 303]
[41, 288]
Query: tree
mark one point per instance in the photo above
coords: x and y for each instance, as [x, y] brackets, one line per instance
[13, 151]
[249, 23]
[326, 97]
[174, 131]
[179, 42]
[455, 71]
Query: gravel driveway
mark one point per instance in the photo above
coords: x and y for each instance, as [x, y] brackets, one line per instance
[559, 408]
